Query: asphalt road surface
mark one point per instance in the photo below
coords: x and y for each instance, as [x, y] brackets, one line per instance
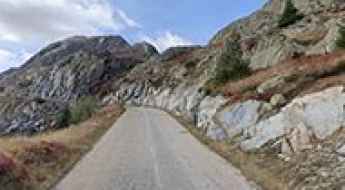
[147, 149]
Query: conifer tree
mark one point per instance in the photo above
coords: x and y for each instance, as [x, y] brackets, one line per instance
[340, 43]
[290, 15]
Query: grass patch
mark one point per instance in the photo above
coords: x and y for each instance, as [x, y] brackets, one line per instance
[41, 160]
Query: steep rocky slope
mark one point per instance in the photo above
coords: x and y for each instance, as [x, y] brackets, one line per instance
[61, 73]
[265, 44]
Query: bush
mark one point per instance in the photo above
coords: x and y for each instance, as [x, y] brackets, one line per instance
[227, 72]
[340, 42]
[63, 118]
[230, 66]
[290, 15]
[83, 109]
[190, 64]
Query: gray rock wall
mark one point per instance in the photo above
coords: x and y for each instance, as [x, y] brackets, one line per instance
[317, 115]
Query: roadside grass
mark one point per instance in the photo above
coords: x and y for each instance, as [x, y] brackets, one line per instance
[262, 169]
[39, 162]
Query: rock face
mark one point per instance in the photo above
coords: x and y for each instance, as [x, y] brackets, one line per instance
[317, 115]
[238, 118]
[265, 44]
[60, 74]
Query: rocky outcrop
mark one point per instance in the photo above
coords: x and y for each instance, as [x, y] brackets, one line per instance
[28, 115]
[184, 100]
[253, 123]
[316, 115]
[265, 44]
[240, 117]
[204, 117]
[174, 52]
[63, 72]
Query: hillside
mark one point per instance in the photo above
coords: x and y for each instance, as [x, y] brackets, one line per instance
[32, 95]
[267, 89]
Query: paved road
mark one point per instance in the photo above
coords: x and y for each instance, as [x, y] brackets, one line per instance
[149, 150]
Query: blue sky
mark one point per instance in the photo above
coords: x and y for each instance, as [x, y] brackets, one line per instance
[28, 25]
[194, 20]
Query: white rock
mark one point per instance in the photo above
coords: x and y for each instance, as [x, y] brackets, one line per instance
[277, 100]
[321, 113]
[207, 109]
[239, 117]
[270, 84]
[264, 131]
[297, 140]
[341, 152]
[215, 132]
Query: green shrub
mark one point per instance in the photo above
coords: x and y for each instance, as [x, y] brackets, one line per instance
[230, 66]
[227, 72]
[190, 64]
[290, 15]
[83, 109]
[63, 118]
[340, 42]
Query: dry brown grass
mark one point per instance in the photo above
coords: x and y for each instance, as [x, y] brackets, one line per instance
[263, 169]
[38, 162]
[302, 74]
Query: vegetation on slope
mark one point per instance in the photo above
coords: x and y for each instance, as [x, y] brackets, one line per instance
[290, 15]
[340, 43]
[84, 108]
[230, 66]
[38, 162]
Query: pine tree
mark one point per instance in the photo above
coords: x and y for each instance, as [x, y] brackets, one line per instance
[340, 43]
[230, 65]
[290, 15]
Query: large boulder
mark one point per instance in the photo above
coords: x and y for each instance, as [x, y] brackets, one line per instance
[205, 117]
[236, 119]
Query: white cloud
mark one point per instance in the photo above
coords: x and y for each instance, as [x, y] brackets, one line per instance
[130, 22]
[46, 20]
[35, 23]
[166, 40]
[10, 59]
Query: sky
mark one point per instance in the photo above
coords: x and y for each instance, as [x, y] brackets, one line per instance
[26, 26]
